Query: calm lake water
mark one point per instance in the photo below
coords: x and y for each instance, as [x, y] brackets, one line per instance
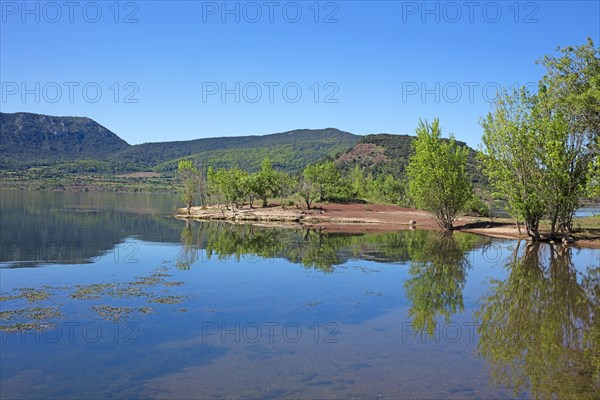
[107, 296]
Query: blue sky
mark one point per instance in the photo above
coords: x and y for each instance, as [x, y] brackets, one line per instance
[191, 69]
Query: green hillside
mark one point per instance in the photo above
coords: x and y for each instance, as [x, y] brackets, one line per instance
[80, 145]
[290, 151]
[50, 147]
[32, 139]
[389, 154]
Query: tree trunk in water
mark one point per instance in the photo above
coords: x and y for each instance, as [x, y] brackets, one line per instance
[533, 232]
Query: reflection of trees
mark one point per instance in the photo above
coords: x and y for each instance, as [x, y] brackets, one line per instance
[224, 240]
[313, 248]
[437, 275]
[540, 328]
[189, 249]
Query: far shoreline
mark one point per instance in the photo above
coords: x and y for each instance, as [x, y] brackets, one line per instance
[370, 218]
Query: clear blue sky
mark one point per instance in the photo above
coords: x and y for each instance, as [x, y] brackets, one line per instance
[387, 63]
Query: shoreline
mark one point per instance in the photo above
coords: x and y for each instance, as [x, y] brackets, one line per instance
[363, 218]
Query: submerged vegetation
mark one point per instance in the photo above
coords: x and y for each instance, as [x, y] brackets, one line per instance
[44, 308]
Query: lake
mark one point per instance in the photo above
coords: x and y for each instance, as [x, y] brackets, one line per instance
[105, 295]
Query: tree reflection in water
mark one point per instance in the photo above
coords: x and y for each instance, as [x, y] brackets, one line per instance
[540, 328]
[438, 272]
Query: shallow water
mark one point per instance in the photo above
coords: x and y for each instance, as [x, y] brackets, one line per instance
[106, 296]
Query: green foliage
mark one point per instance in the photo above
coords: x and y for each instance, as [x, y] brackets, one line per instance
[288, 151]
[327, 181]
[477, 206]
[510, 157]
[231, 184]
[387, 189]
[438, 182]
[266, 182]
[536, 160]
[571, 85]
[190, 178]
[387, 154]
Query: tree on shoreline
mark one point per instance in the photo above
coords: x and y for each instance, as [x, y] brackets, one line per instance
[438, 181]
[510, 155]
[541, 149]
[190, 177]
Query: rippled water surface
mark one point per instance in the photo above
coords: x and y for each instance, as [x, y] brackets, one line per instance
[107, 296]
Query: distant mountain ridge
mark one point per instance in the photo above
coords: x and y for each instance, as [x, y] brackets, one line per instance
[81, 145]
[33, 139]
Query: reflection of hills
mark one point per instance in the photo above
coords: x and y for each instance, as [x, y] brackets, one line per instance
[74, 227]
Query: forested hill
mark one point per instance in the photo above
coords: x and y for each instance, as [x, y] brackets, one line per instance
[290, 151]
[75, 144]
[33, 139]
[81, 145]
[389, 154]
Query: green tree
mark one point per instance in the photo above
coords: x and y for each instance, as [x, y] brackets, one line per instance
[327, 181]
[510, 155]
[570, 94]
[231, 184]
[266, 182]
[536, 160]
[387, 189]
[360, 181]
[308, 192]
[571, 85]
[438, 181]
[190, 178]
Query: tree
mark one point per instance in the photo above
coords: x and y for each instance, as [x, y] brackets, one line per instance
[510, 157]
[359, 182]
[266, 182]
[438, 181]
[308, 192]
[572, 85]
[537, 158]
[387, 189]
[570, 96]
[190, 178]
[231, 184]
[327, 181]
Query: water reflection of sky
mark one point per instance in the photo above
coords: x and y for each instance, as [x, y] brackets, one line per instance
[189, 318]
